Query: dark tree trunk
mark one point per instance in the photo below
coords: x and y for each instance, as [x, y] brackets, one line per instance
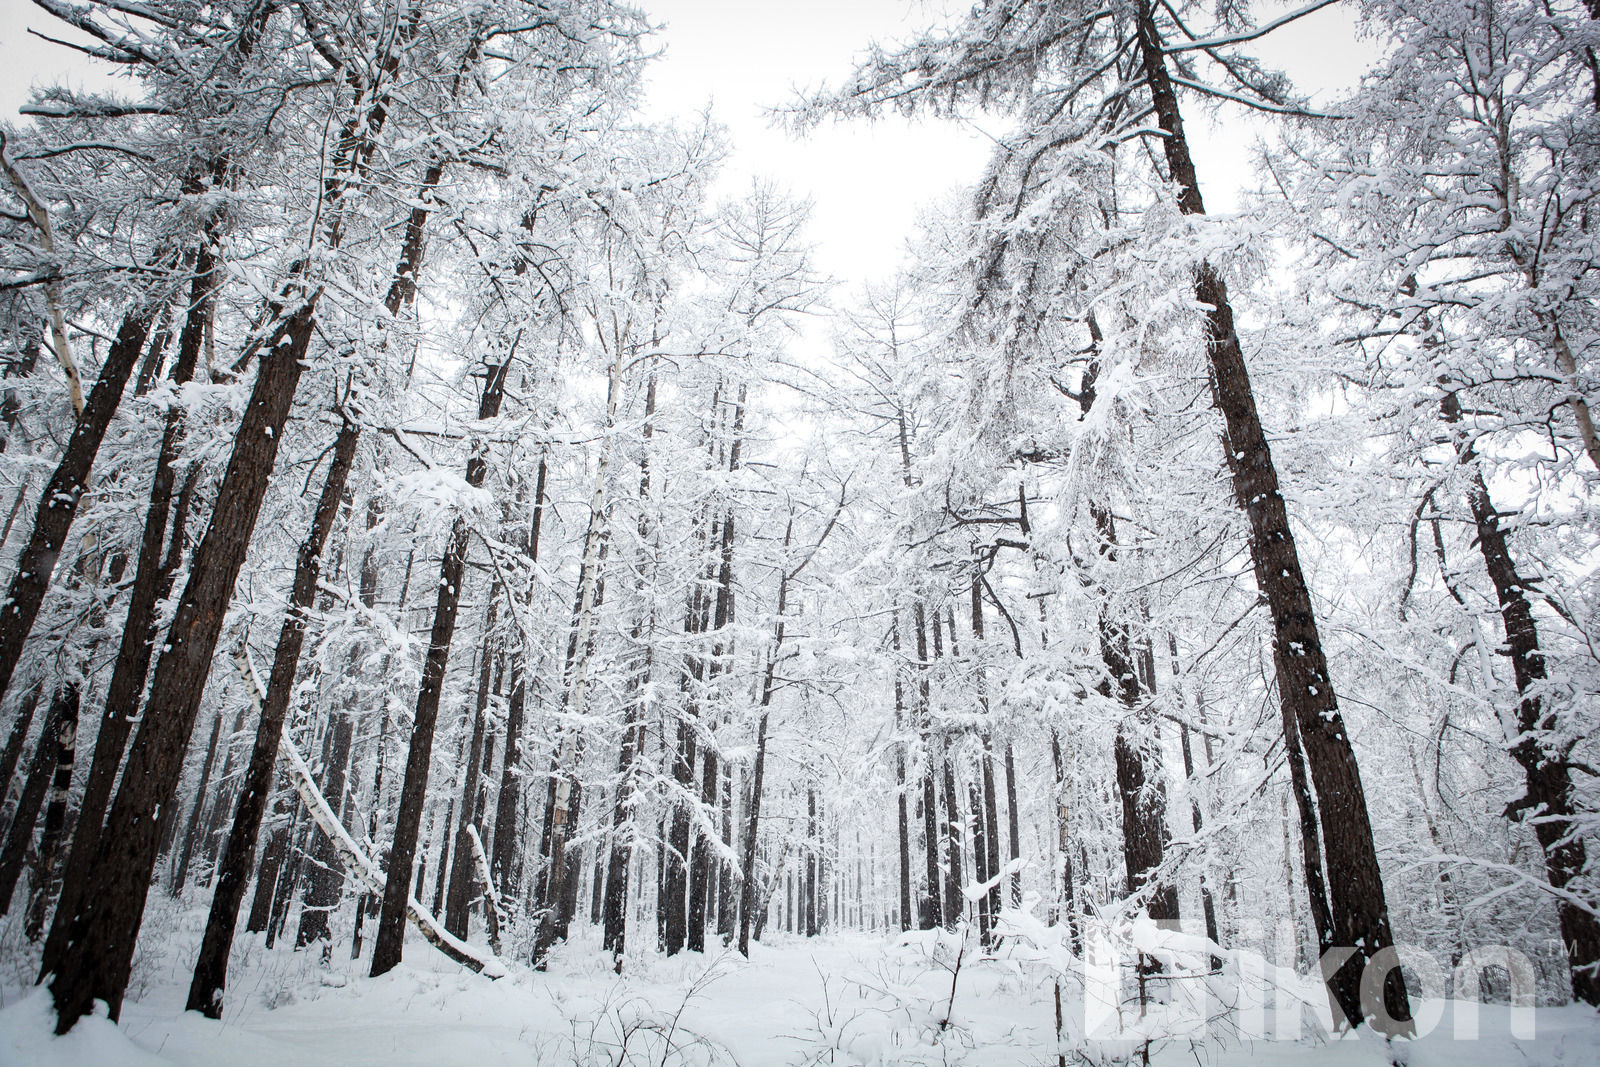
[558, 887]
[272, 858]
[674, 894]
[930, 914]
[442, 868]
[614, 909]
[1144, 804]
[980, 858]
[58, 505]
[180, 873]
[704, 860]
[991, 818]
[952, 834]
[1310, 836]
[11, 407]
[211, 969]
[1207, 903]
[1069, 888]
[227, 790]
[1013, 831]
[675, 890]
[155, 355]
[1547, 800]
[462, 873]
[725, 871]
[46, 884]
[19, 737]
[812, 866]
[747, 888]
[1356, 896]
[504, 864]
[96, 960]
[154, 575]
[19, 838]
[991, 823]
[325, 887]
[1143, 795]
[902, 802]
[413, 792]
[288, 879]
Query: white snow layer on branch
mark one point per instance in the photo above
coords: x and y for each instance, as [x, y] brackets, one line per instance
[975, 892]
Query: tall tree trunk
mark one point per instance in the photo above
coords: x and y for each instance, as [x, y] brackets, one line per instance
[58, 505]
[19, 838]
[506, 841]
[749, 907]
[1356, 896]
[97, 958]
[325, 887]
[1013, 828]
[227, 789]
[1310, 836]
[462, 874]
[288, 879]
[991, 819]
[557, 899]
[154, 575]
[558, 889]
[980, 856]
[413, 793]
[951, 835]
[677, 889]
[953, 897]
[704, 857]
[1207, 904]
[752, 821]
[46, 883]
[1144, 806]
[902, 802]
[180, 872]
[813, 842]
[1547, 800]
[442, 868]
[1069, 901]
[930, 913]
[211, 969]
[614, 910]
[17, 739]
[273, 857]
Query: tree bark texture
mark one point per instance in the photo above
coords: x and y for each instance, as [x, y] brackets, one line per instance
[413, 792]
[96, 960]
[1356, 895]
[1547, 801]
[58, 505]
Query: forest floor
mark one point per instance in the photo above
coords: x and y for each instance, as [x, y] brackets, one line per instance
[846, 999]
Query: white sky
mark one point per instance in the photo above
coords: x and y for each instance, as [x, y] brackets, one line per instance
[867, 181]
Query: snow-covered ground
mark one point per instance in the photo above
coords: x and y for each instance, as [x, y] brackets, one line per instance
[847, 999]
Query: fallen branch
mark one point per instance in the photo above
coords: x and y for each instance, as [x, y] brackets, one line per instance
[356, 860]
[496, 912]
